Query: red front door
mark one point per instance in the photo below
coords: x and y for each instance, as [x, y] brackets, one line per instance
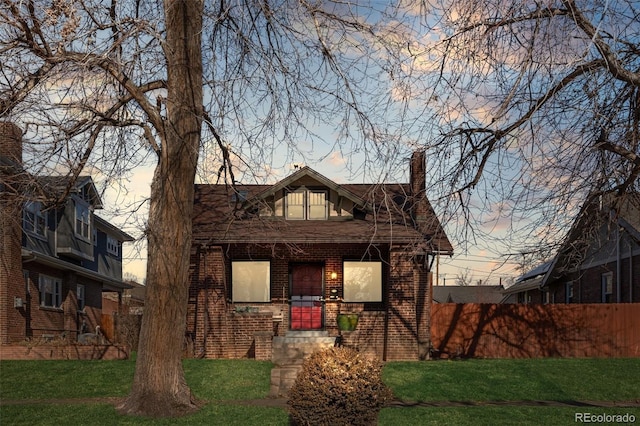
[307, 310]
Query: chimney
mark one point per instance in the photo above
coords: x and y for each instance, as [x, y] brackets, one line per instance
[10, 147]
[418, 183]
[12, 288]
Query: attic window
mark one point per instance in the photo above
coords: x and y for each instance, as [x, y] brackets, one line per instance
[306, 204]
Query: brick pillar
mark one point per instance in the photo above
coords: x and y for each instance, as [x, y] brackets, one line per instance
[12, 319]
[210, 319]
[422, 287]
[402, 335]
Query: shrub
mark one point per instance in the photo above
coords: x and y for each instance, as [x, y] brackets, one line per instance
[338, 386]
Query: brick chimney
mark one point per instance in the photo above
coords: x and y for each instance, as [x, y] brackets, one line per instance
[418, 183]
[11, 281]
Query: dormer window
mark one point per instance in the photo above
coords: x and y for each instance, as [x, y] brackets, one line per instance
[34, 220]
[306, 204]
[83, 220]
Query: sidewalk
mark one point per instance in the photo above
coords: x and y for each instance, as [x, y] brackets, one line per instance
[282, 403]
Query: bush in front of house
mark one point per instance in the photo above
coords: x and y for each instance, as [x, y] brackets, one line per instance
[338, 386]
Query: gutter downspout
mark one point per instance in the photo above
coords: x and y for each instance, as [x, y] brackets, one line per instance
[618, 265]
[630, 271]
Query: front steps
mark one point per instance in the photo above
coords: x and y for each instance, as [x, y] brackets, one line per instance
[289, 351]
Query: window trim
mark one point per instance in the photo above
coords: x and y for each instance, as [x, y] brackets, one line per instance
[113, 246]
[306, 203]
[569, 292]
[32, 218]
[56, 293]
[81, 204]
[606, 280]
[377, 280]
[81, 301]
[236, 286]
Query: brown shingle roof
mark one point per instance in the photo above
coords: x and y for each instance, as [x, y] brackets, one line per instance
[219, 217]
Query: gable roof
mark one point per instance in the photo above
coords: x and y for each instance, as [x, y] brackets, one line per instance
[54, 189]
[593, 216]
[307, 171]
[221, 216]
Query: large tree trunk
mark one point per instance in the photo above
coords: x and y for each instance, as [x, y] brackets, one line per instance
[159, 388]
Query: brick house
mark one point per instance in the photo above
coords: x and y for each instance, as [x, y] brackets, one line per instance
[57, 255]
[599, 263]
[270, 261]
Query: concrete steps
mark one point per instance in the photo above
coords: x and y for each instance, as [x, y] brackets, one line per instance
[288, 353]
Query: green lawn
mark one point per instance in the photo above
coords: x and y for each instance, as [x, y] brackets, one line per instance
[217, 381]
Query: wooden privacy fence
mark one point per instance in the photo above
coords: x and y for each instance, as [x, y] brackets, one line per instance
[528, 331]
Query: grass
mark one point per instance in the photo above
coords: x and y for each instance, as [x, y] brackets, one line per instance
[222, 380]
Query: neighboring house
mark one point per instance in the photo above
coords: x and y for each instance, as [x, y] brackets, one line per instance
[526, 288]
[129, 301]
[468, 294]
[599, 263]
[269, 260]
[58, 256]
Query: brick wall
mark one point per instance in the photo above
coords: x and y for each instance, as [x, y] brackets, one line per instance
[12, 324]
[219, 331]
[587, 284]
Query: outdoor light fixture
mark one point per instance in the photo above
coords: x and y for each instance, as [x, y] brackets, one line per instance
[334, 275]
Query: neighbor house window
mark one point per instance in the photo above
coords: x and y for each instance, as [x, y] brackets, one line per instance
[49, 292]
[250, 281]
[607, 287]
[83, 220]
[80, 296]
[34, 220]
[362, 281]
[306, 204]
[113, 246]
[569, 292]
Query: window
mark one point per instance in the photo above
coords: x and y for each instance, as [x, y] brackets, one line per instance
[250, 281]
[549, 297]
[362, 281]
[80, 296]
[83, 220]
[607, 287]
[49, 292]
[305, 204]
[34, 220]
[569, 291]
[113, 246]
[25, 275]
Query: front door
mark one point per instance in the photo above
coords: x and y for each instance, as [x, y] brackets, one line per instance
[307, 307]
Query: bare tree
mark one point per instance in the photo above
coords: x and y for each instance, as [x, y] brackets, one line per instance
[464, 277]
[105, 85]
[534, 110]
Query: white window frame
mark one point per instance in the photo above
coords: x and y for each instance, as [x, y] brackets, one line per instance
[34, 221]
[362, 281]
[54, 290]
[607, 287]
[251, 281]
[81, 296]
[82, 220]
[113, 246]
[569, 292]
[301, 206]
